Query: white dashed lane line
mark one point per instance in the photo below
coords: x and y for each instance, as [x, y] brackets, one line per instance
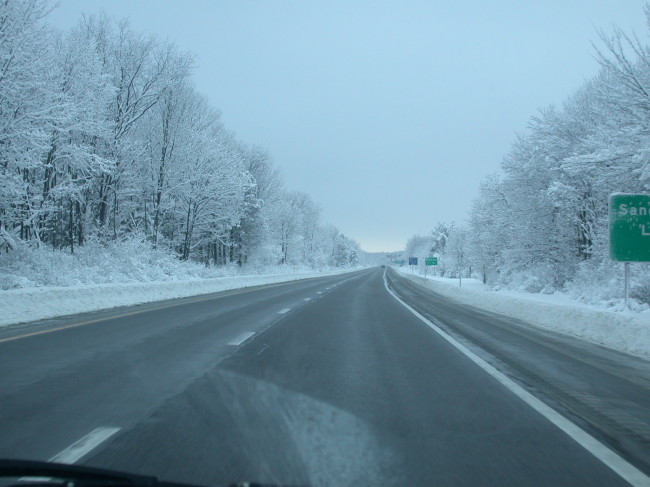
[241, 338]
[85, 445]
[284, 311]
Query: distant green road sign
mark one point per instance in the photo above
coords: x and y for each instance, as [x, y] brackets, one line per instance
[431, 261]
[629, 227]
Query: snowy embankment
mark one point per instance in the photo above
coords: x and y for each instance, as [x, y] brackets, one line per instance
[29, 304]
[624, 331]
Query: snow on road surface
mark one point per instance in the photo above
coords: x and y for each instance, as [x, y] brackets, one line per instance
[625, 331]
[30, 304]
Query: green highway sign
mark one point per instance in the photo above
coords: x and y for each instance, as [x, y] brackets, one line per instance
[431, 261]
[629, 227]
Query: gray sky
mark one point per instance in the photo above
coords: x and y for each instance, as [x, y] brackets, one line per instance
[389, 113]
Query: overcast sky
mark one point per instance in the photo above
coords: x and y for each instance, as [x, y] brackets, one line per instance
[389, 113]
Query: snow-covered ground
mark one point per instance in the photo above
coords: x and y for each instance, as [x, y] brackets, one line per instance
[28, 304]
[625, 331]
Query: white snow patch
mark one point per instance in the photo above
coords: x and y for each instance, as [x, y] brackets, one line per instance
[625, 331]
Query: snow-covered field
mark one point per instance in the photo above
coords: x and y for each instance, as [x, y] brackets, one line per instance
[625, 331]
[28, 304]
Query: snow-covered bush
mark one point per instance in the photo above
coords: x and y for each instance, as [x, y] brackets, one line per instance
[130, 260]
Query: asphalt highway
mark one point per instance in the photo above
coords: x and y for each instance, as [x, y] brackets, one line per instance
[327, 381]
[604, 391]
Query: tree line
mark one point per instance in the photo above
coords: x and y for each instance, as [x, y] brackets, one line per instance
[104, 137]
[542, 224]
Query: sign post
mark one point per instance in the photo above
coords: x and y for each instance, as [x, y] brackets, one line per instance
[627, 284]
[629, 231]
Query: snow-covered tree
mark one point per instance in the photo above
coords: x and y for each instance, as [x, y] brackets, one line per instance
[543, 225]
[103, 138]
[345, 252]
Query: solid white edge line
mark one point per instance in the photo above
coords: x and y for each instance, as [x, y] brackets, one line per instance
[284, 311]
[241, 338]
[603, 453]
[82, 447]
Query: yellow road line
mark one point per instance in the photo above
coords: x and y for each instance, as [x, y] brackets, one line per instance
[75, 325]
